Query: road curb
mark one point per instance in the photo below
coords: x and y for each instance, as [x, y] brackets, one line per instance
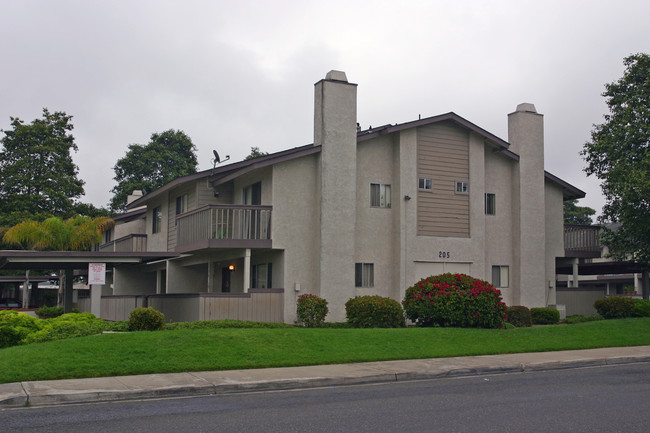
[48, 393]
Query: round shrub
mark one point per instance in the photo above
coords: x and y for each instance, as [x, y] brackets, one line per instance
[545, 316]
[15, 326]
[519, 316]
[66, 326]
[454, 300]
[641, 308]
[615, 307]
[374, 312]
[311, 310]
[146, 319]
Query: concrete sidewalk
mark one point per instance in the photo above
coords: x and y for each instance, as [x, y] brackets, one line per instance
[52, 392]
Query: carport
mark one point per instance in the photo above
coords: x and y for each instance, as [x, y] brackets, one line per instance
[69, 261]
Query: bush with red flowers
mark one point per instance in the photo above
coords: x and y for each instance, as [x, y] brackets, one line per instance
[454, 300]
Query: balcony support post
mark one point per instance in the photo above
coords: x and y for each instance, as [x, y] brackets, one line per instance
[247, 270]
[576, 274]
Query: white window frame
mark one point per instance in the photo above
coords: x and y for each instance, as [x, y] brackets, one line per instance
[501, 276]
[462, 187]
[490, 203]
[364, 275]
[425, 184]
[380, 195]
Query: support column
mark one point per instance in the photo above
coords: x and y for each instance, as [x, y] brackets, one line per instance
[645, 285]
[576, 274]
[210, 276]
[96, 299]
[247, 270]
[67, 291]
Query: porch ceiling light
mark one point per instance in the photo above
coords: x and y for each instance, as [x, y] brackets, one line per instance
[231, 267]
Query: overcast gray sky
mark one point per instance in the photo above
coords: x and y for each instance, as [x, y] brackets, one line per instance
[237, 74]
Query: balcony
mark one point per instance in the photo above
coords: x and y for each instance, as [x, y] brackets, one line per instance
[224, 226]
[126, 244]
[582, 241]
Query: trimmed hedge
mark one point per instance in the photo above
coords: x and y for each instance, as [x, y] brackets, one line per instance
[545, 316]
[615, 307]
[220, 324]
[519, 316]
[641, 308]
[374, 312]
[69, 325]
[146, 319]
[454, 300]
[311, 310]
[15, 326]
[581, 318]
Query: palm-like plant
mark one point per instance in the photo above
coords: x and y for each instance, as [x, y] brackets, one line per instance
[54, 234]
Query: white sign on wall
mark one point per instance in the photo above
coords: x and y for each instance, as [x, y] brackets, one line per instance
[96, 273]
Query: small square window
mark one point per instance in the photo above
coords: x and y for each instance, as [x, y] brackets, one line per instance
[462, 188]
[181, 204]
[425, 183]
[364, 275]
[379, 195]
[490, 204]
[500, 276]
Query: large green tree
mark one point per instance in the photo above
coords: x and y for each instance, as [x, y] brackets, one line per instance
[580, 215]
[37, 175]
[619, 155]
[167, 156]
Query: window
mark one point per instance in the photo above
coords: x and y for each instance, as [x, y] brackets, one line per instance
[490, 204]
[500, 276]
[379, 195]
[261, 276]
[424, 183]
[252, 194]
[108, 235]
[462, 188]
[181, 204]
[364, 275]
[156, 220]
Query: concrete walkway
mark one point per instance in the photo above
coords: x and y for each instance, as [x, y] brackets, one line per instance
[52, 392]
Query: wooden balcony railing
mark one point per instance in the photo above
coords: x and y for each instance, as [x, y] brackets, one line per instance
[224, 226]
[126, 244]
[582, 241]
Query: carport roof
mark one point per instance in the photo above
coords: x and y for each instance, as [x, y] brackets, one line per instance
[15, 259]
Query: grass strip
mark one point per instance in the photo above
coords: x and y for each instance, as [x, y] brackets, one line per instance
[226, 349]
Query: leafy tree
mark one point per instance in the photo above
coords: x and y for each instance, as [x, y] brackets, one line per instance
[38, 176]
[255, 153]
[619, 155]
[169, 155]
[574, 214]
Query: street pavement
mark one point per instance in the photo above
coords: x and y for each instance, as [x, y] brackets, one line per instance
[55, 392]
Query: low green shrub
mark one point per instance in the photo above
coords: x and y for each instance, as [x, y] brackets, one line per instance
[454, 300]
[146, 319]
[70, 325]
[48, 312]
[374, 312]
[580, 318]
[545, 316]
[641, 308]
[219, 324]
[615, 307]
[117, 326]
[15, 326]
[311, 310]
[519, 316]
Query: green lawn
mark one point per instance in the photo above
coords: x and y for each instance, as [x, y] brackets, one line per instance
[225, 349]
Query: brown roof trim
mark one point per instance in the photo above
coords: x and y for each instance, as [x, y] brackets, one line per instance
[501, 144]
[570, 192]
[224, 170]
[131, 215]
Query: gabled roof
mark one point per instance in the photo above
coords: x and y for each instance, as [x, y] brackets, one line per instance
[226, 173]
[500, 144]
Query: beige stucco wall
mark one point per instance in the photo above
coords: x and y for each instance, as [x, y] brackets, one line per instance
[554, 200]
[132, 227]
[294, 228]
[158, 241]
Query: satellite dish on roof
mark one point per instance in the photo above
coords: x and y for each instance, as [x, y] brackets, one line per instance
[217, 159]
